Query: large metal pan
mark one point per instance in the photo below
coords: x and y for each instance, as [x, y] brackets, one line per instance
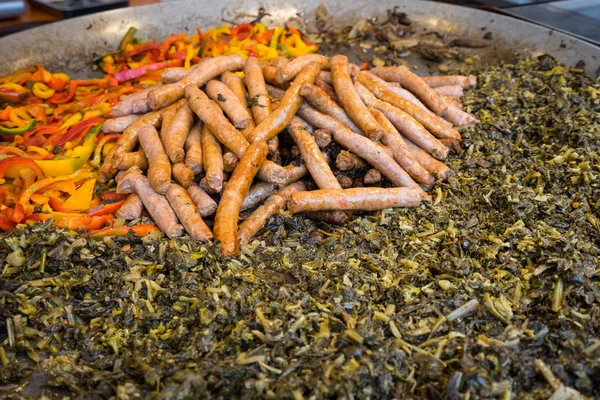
[67, 45]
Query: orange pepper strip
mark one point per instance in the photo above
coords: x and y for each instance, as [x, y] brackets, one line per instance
[138, 230]
[39, 185]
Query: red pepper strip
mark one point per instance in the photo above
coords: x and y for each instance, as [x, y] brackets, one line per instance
[7, 96]
[178, 55]
[143, 70]
[38, 112]
[264, 37]
[242, 31]
[76, 130]
[57, 206]
[12, 166]
[56, 84]
[140, 230]
[164, 46]
[6, 224]
[60, 98]
[112, 196]
[74, 221]
[18, 214]
[105, 210]
[140, 48]
[294, 31]
[364, 66]
[21, 154]
[200, 34]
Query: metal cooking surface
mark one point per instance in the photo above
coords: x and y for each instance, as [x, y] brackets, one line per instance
[67, 45]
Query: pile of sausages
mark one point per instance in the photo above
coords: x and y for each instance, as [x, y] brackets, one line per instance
[219, 123]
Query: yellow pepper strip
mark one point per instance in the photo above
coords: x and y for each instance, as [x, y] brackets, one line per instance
[221, 30]
[73, 119]
[65, 77]
[92, 114]
[266, 53]
[42, 91]
[82, 198]
[260, 28]
[189, 55]
[275, 38]
[19, 116]
[147, 82]
[38, 150]
[12, 86]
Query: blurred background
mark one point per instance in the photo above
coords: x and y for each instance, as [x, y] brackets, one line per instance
[580, 18]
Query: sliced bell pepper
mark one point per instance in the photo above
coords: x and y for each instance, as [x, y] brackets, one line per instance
[74, 221]
[9, 96]
[6, 224]
[113, 196]
[12, 166]
[18, 213]
[42, 91]
[140, 230]
[69, 165]
[129, 74]
[105, 210]
[82, 198]
[58, 206]
[128, 37]
[19, 130]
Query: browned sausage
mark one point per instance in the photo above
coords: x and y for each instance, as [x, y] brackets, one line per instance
[205, 205]
[322, 137]
[213, 160]
[226, 219]
[182, 174]
[132, 207]
[328, 89]
[159, 166]
[170, 93]
[186, 210]
[124, 161]
[176, 133]
[414, 84]
[228, 101]
[125, 105]
[193, 148]
[450, 90]
[257, 90]
[368, 199]
[291, 69]
[257, 193]
[119, 124]
[466, 82]
[311, 154]
[437, 168]
[354, 106]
